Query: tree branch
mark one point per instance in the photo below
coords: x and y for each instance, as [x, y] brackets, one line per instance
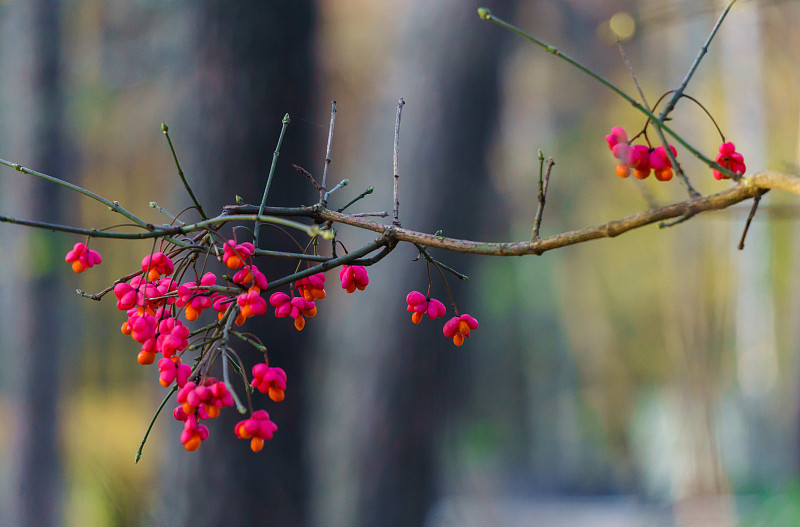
[748, 188]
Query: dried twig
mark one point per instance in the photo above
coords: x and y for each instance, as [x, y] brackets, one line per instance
[309, 177]
[543, 184]
[396, 210]
[323, 198]
[756, 201]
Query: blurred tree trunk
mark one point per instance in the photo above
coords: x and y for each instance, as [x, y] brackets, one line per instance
[386, 387]
[252, 64]
[32, 331]
[757, 358]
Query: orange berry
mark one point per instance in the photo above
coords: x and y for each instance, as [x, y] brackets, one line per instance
[191, 313]
[641, 174]
[256, 444]
[234, 262]
[193, 443]
[276, 395]
[212, 411]
[240, 431]
[146, 357]
[300, 323]
[623, 170]
[416, 317]
[458, 339]
[665, 174]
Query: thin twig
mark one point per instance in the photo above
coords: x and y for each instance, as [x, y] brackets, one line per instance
[424, 252]
[226, 336]
[396, 210]
[379, 214]
[678, 170]
[291, 256]
[138, 455]
[330, 264]
[677, 221]
[309, 177]
[253, 342]
[168, 230]
[275, 154]
[165, 129]
[537, 222]
[703, 50]
[323, 198]
[756, 201]
[343, 183]
[485, 14]
[113, 206]
[369, 190]
[166, 213]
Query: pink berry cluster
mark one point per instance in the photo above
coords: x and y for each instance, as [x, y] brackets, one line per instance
[157, 306]
[644, 160]
[729, 158]
[641, 158]
[457, 328]
[82, 258]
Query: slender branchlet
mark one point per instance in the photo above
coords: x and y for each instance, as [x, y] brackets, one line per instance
[678, 170]
[545, 167]
[323, 197]
[366, 192]
[703, 50]
[165, 130]
[275, 154]
[756, 201]
[309, 177]
[167, 397]
[113, 206]
[439, 265]
[396, 210]
[343, 183]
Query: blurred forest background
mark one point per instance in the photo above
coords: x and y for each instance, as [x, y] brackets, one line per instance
[650, 379]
